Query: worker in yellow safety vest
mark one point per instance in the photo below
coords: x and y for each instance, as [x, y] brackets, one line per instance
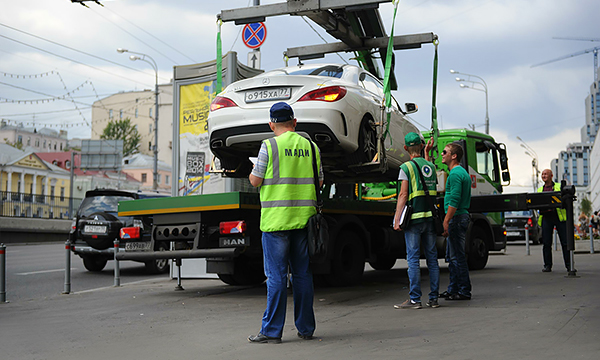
[284, 172]
[548, 220]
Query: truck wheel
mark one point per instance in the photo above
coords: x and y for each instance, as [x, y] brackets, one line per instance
[478, 251]
[383, 262]
[245, 273]
[348, 263]
[158, 266]
[94, 263]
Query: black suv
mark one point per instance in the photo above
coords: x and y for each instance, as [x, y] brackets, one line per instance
[97, 225]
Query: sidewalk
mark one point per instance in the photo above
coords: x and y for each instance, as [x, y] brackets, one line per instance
[517, 312]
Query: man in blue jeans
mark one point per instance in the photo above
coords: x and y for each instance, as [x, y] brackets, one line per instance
[457, 201]
[420, 228]
[287, 200]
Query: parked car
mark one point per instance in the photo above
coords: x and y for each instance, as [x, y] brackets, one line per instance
[337, 106]
[97, 224]
[515, 225]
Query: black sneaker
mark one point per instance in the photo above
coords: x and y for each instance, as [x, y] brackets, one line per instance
[445, 295]
[409, 304]
[264, 339]
[458, 297]
[432, 303]
[305, 337]
[547, 269]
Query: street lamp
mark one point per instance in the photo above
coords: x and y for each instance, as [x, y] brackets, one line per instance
[534, 162]
[148, 59]
[485, 90]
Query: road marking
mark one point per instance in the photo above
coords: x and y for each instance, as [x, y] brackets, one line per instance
[112, 287]
[43, 271]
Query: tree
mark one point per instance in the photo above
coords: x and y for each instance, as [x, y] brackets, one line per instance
[18, 145]
[585, 206]
[123, 130]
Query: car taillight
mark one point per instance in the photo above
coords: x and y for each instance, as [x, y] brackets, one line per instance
[232, 227]
[529, 222]
[329, 94]
[221, 102]
[130, 233]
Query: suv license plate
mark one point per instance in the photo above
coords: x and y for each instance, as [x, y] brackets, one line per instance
[266, 95]
[137, 246]
[94, 229]
[513, 233]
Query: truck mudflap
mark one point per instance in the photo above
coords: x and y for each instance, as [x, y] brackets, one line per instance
[180, 254]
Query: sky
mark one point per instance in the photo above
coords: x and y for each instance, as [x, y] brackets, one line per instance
[58, 57]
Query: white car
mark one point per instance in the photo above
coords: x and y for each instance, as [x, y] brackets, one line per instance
[337, 106]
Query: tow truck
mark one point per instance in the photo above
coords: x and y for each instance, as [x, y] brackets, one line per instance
[224, 229]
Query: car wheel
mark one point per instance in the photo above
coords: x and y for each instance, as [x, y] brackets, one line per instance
[367, 143]
[348, 263]
[94, 263]
[383, 262]
[478, 250]
[245, 272]
[158, 266]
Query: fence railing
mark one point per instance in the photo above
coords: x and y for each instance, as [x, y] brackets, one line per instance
[15, 204]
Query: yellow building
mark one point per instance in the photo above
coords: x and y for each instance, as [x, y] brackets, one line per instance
[32, 187]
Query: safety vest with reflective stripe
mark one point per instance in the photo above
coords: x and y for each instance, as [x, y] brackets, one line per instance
[287, 194]
[416, 192]
[562, 213]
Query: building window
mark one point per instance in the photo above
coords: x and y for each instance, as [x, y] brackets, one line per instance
[149, 146]
[68, 164]
[19, 139]
[170, 144]
[136, 113]
[110, 114]
[150, 112]
[158, 178]
[28, 141]
[37, 143]
[61, 146]
[62, 193]
[167, 179]
[44, 144]
[52, 192]
[54, 146]
[150, 128]
[144, 177]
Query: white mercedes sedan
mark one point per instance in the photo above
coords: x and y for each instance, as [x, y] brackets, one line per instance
[338, 106]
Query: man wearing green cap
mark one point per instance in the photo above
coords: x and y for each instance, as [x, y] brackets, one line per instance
[421, 227]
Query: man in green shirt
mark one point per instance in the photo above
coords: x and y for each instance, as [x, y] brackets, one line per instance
[457, 201]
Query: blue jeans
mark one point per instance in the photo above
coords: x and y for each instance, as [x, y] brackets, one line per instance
[280, 249]
[460, 283]
[547, 228]
[415, 234]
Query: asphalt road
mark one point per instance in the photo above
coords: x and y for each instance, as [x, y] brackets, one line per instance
[517, 312]
[35, 271]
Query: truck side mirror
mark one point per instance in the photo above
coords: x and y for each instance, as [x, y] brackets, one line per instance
[506, 176]
[411, 108]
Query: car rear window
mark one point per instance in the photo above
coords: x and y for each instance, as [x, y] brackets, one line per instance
[330, 71]
[104, 203]
[517, 213]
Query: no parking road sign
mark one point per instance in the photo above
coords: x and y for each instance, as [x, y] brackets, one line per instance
[254, 35]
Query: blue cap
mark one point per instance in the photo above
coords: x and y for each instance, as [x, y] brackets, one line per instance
[281, 112]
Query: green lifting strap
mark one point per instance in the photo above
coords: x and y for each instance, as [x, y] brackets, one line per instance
[219, 84]
[388, 69]
[435, 132]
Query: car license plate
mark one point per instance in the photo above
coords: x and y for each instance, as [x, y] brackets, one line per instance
[94, 229]
[234, 241]
[268, 94]
[137, 246]
[513, 233]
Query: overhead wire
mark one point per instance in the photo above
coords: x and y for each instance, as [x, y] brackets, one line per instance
[135, 37]
[156, 38]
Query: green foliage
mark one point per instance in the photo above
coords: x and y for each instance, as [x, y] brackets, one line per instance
[586, 206]
[18, 145]
[123, 130]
